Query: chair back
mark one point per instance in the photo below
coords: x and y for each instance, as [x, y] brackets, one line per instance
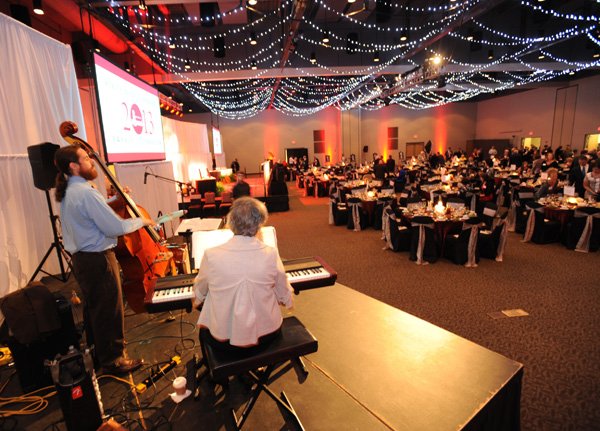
[226, 197]
[209, 198]
[456, 203]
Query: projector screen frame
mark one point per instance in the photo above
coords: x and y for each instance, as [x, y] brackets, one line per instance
[157, 123]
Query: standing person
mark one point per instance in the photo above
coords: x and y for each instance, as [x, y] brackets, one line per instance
[90, 231]
[235, 166]
[591, 182]
[390, 164]
[241, 284]
[577, 174]
[241, 188]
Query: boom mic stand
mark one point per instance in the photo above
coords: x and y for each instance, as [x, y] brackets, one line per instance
[180, 184]
[57, 244]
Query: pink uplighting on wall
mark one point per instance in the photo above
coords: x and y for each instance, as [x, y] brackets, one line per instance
[440, 134]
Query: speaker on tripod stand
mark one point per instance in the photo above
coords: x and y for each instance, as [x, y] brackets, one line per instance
[41, 158]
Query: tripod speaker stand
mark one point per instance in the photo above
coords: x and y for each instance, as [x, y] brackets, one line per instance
[41, 158]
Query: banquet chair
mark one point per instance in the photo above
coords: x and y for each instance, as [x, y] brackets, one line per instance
[226, 202]
[520, 200]
[403, 197]
[382, 203]
[583, 231]
[491, 242]
[309, 186]
[209, 208]
[397, 236]
[461, 248]
[539, 229]
[357, 218]
[194, 209]
[437, 195]
[423, 244]
[338, 212]
[489, 213]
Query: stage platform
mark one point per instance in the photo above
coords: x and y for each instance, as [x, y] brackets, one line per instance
[377, 368]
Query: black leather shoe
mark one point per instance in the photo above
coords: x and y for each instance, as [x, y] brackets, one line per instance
[123, 366]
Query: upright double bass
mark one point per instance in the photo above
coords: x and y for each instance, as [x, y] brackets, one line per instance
[141, 253]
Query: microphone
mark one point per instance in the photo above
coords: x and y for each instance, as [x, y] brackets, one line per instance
[141, 387]
[145, 177]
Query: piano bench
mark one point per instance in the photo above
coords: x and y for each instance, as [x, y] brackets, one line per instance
[295, 341]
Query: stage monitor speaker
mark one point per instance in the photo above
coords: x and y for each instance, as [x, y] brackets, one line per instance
[366, 149]
[20, 13]
[41, 158]
[219, 46]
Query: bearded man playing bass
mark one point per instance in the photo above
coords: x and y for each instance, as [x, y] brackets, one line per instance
[90, 231]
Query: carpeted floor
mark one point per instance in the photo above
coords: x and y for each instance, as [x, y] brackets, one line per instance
[558, 342]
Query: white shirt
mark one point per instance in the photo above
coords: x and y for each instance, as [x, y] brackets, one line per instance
[242, 283]
[594, 183]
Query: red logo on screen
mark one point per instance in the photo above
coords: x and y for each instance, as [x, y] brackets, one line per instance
[76, 392]
[137, 121]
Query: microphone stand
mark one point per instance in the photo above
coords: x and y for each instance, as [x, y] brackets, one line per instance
[180, 184]
[186, 235]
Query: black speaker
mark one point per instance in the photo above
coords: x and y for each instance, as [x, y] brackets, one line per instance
[351, 43]
[29, 357]
[219, 47]
[20, 13]
[366, 149]
[41, 158]
[208, 11]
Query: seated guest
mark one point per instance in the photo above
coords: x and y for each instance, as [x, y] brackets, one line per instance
[487, 187]
[549, 162]
[550, 186]
[241, 188]
[241, 285]
[316, 163]
[591, 182]
[525, 169]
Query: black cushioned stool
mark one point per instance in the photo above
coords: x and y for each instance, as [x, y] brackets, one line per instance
[295, 341]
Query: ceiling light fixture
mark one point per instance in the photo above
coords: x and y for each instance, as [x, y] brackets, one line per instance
[38, 9]
[470, 35]
[172, 45]
[491, 54]
[187, 64]
[376, 57]
[313, 58]
[96, 45]
[253, 40]
[541, 56]
[351, 1]
[142, 5]
[596, 55]
[325, 38]
[404, 36]
[252, 2]
[254, 67]
[127, 66]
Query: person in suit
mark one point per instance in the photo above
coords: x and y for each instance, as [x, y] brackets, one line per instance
[390, 164]
[241, 285]
[578, 173]
[241, 188]
[235, 166]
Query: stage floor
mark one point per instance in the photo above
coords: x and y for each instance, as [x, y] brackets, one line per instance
[377, 368]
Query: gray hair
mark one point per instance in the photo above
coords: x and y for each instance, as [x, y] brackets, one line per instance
[246, 216]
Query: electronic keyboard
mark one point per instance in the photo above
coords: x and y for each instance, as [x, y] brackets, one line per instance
[177, 292]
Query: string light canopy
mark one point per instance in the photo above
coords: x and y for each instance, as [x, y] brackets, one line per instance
[300, 58]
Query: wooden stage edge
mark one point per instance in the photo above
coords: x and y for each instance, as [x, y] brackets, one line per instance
[406, 372]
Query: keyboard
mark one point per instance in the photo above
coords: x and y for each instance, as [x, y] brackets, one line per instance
[170, 293]
[177, 292]
[309, 273]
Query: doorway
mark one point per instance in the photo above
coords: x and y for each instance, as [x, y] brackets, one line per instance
[414, 148]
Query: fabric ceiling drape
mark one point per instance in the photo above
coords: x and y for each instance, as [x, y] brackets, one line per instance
[38, 90]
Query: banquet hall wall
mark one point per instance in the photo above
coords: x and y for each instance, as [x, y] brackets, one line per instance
[532, 113]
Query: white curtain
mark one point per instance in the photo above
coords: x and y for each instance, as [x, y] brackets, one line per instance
[154, 196]
[38, 91]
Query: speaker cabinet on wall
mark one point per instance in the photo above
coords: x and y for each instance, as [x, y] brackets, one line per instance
[41, 158]
[366, 149]
[219, 47]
